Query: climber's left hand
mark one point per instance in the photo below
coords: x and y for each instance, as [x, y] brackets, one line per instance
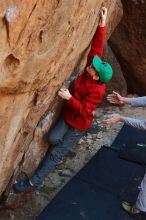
[65, 94]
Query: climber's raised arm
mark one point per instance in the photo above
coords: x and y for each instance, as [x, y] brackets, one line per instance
[97, 44]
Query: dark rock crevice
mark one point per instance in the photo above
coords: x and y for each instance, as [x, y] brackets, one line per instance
[128, 43]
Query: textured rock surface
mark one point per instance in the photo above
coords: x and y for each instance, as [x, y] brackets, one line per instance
[118, 82]
[41, 42]
[129, 42]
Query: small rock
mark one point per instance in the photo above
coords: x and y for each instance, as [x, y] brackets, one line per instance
[89, 136]
[66, 173]
[94, 136]
[12, 216]
[99, 135]
[71, 155]
[80, 141]
[56, 180]
[89, 141]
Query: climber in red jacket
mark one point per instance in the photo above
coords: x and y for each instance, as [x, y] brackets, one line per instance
[86, 94]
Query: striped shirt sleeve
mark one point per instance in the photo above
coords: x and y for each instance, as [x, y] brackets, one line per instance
[140, 101]
[136, 123]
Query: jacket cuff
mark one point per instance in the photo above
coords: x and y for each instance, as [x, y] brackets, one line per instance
[69, 101]
[102, 28]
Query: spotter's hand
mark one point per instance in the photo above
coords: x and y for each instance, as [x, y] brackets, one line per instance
[112, 119]
[115, 98]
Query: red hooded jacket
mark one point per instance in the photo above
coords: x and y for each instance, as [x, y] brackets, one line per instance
[86, 92]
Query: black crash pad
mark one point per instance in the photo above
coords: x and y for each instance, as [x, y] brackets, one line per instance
[96, 192]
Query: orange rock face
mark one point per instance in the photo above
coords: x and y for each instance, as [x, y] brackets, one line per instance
[41, 42]
[129, 42]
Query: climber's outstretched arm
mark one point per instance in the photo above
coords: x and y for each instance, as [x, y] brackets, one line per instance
[97, 45]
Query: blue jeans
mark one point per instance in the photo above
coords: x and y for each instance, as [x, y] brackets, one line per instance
[63, 137]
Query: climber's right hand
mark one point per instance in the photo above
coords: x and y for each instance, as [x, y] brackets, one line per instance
[103, 16]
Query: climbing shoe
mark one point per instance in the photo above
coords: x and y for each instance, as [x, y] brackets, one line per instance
[23, 186]
[134, 212]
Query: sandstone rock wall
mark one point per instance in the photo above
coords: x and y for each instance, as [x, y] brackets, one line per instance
[118, 82]
[41, 42]
[129, 42]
